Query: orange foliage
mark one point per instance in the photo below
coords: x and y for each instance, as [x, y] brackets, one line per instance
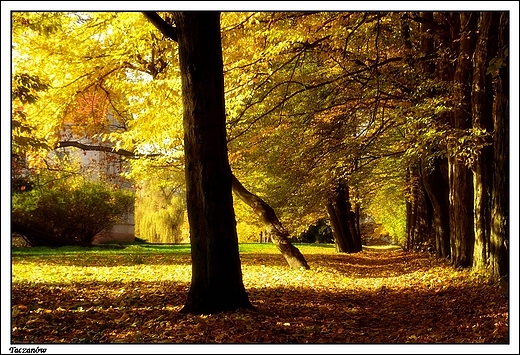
[88, 111]
[369, 297]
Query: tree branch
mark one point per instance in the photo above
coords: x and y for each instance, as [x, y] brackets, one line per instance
[278, 234]
[121, 152]
[100, 148]
[163, 26]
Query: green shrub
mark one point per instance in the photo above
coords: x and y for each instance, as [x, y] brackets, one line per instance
[71, 211]
[321, 232]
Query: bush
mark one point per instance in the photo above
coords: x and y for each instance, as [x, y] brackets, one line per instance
[71, 211]
[321, 232]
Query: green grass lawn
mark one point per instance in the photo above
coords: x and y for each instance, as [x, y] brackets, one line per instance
[109, 249]
[134, 262]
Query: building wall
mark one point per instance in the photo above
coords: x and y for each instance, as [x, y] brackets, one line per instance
[118, 233]
[121, 232]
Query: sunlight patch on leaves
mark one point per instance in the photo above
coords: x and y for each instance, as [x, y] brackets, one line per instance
[134, 295]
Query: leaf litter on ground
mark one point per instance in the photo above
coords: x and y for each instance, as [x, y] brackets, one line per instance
[369, 297]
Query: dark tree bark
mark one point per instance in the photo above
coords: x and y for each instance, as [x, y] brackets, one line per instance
[499, 238]
[448, 24]
[341, 237]
[434, 181]
[411, 214]
[460, 176]
[418, 211]
[216, 284]
[357, 214]
[356, 237]
[343, 220]
[482, 103]
[274, 230]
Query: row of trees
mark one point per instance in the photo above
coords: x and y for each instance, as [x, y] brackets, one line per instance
[402, 116]
[414, 101]
[459, 197]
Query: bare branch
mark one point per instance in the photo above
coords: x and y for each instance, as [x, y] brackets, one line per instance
[163, 26]
[99, 148]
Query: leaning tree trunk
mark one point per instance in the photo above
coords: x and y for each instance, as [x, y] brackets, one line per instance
[340, 231]
[274, 230]
[357, 214]
[499, 262]
[216, 284]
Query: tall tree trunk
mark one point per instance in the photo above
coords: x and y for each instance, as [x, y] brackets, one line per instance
[482, 102]
[357, 214]
[411, 211]
[439, 179]
[436, 186]
[419, 212]
[216, 284]
[274, 230]
[460, 176]
[342, 220]
[434, 182]
[499, 238]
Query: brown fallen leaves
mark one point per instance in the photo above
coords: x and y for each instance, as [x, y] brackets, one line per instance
[369, 297]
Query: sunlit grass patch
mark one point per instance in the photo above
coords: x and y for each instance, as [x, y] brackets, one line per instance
[143, 262]
[103, 249]
[269, 248]
[381, 248]
[262, 267]
[34, 273]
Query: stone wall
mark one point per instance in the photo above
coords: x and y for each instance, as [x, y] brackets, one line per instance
[117, 233]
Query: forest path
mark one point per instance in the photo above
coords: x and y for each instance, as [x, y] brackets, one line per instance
[369, 297]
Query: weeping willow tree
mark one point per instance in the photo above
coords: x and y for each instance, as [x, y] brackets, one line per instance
[160, 214]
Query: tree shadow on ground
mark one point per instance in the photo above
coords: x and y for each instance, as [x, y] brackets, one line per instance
[363, 264]
[148, 312]
[351, 264]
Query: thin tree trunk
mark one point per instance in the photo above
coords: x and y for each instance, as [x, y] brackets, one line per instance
[410, 224]
[275, 230]
[357, 213]
[415, 209]
[481, 101]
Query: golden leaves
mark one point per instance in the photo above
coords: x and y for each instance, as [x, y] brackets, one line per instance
[368, 297]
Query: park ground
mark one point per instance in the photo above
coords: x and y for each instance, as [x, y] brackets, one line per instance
[133, 295]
